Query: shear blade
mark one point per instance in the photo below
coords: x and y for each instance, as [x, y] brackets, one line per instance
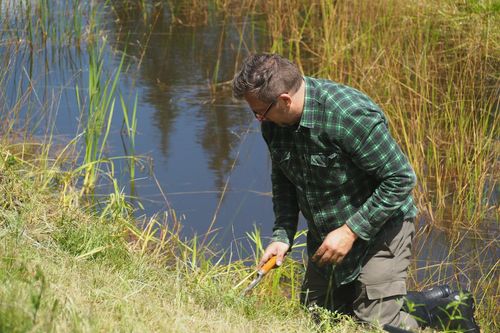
[252, 284]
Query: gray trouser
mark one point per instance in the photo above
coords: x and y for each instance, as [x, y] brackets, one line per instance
[377, 294]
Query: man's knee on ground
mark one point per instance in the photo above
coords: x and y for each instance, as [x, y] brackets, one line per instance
[382, 303]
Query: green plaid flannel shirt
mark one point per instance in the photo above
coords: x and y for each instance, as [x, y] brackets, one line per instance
[339, 165]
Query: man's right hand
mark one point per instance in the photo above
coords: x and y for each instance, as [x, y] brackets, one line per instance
[278, 249]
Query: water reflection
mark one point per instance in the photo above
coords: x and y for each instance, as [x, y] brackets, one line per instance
[466, 258]
[198, 133]
[176, 64]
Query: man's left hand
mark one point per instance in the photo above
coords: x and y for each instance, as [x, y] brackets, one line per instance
[335, 247]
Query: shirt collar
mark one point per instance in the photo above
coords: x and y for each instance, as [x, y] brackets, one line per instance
[311, 114]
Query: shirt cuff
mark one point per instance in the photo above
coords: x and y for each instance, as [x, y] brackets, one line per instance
[280, 235]
[361, 227]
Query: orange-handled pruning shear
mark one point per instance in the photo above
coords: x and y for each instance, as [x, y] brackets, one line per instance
[270, 264]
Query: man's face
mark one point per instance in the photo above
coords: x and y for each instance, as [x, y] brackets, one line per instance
[277, 111]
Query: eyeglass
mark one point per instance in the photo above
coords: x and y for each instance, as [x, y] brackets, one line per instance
[263, 115]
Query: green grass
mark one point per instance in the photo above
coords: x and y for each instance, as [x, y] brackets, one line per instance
[100, 105]
[66, 269]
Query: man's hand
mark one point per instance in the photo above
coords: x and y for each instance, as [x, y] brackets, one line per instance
[335, 247]
[278, 249]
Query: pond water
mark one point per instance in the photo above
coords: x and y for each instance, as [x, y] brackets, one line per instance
[203, 152]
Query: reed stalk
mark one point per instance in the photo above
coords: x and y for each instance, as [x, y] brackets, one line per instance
[130, 126]
[99, 112]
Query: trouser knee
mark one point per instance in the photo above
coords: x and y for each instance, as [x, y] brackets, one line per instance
[382, 304]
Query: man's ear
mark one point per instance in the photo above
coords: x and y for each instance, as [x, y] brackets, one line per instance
[286, 98]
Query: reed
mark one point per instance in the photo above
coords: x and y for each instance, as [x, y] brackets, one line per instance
[430, 68]
[100, 104]
[75, 31]
[130, 128]
[37, 23]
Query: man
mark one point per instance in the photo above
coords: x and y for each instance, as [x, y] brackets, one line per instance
[334, 160]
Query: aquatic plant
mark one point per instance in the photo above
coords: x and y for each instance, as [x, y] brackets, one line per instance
[100, 104]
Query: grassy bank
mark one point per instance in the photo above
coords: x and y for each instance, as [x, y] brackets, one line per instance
[65, 269]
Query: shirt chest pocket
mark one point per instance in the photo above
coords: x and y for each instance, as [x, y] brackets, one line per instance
[327, 169]
[281, 158]
[288, 163]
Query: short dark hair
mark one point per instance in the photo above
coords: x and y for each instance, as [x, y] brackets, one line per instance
[266, 76]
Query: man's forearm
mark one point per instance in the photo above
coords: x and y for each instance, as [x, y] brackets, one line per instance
[381, 205]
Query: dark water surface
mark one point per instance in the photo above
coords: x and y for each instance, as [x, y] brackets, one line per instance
[208, 156]
[203, 150]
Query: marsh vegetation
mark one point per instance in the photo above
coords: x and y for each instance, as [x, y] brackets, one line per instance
[80, 247]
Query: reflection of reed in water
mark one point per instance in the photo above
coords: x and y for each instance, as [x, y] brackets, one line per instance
[175, 87]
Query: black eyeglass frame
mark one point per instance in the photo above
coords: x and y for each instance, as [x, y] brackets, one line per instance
[263, 115]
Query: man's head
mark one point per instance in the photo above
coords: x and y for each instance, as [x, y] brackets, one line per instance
[269, 82]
